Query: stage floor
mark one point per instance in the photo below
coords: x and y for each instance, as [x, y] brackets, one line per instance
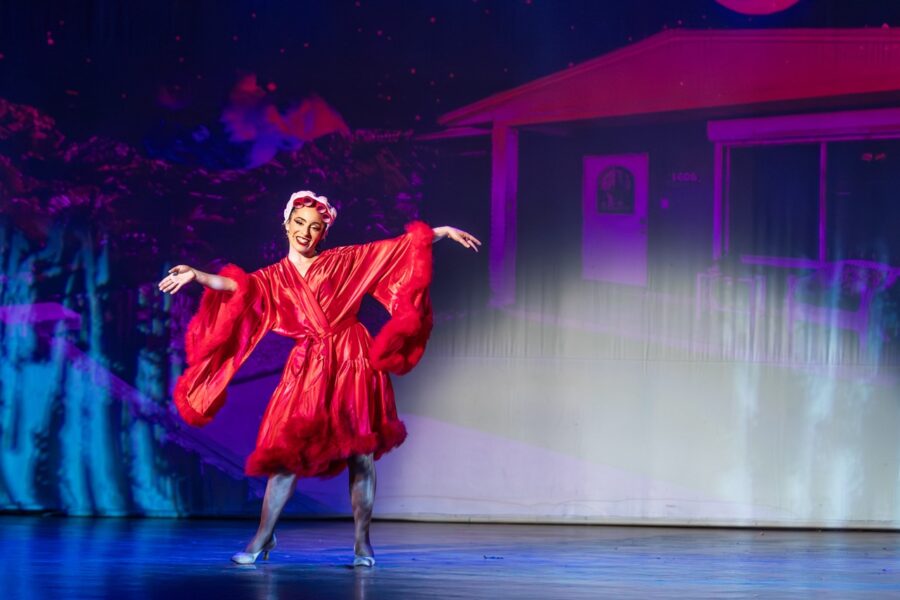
[49, 557]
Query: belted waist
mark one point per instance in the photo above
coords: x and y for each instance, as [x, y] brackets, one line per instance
[329, 332]
[318, 345]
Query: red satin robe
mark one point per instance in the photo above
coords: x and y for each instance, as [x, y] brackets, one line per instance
[335, 398]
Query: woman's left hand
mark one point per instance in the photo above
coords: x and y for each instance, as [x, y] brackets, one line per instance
[457, 235]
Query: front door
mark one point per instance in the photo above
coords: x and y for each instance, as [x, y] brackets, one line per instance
[614, 205]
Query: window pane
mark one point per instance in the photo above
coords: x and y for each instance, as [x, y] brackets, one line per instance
[774, 201]
[864, 201]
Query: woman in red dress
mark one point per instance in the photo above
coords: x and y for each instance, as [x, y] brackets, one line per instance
[334, 406]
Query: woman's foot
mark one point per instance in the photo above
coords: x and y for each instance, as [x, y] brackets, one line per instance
[249, 555]
[363, 555]
[363, 561]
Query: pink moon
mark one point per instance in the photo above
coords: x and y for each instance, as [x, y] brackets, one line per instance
[757, 7]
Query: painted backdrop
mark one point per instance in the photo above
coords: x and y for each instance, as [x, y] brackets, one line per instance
[630, 373]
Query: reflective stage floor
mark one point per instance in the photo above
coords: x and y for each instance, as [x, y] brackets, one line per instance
[50, 557]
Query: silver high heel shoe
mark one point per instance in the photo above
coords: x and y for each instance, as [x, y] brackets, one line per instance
[363, 561]
[248, 558]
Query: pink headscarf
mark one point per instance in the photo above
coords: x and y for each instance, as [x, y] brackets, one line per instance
[320, 203]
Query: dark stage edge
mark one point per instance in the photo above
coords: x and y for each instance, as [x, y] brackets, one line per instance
[52, 557]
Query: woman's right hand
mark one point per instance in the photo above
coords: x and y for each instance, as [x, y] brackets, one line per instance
[178, 276]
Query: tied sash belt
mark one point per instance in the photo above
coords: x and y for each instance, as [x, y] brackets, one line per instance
[314, 353]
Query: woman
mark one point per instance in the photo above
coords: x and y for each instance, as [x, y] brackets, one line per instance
[334, 406]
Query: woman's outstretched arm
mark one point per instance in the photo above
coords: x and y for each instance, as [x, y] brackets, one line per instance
[458, 235]
[180, 275]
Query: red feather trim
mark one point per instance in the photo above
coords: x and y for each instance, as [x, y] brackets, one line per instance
[401, 342]
[313, 448]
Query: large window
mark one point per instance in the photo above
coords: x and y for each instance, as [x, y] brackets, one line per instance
[800, 190]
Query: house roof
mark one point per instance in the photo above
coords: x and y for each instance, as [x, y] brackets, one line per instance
[680, 70]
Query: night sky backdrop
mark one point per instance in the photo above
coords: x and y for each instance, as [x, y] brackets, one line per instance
[151, 72]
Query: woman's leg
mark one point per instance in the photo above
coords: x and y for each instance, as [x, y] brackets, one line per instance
[362, 499]
[278, 492]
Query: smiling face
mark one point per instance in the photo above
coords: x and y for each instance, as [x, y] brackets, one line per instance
[305, 229]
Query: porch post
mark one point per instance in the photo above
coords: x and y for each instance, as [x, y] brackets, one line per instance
[719, 183]
[502, 246]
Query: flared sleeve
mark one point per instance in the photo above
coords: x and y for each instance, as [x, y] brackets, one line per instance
[400, 272]
[219, 338]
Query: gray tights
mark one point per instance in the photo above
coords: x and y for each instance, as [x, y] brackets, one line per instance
[362, 499]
